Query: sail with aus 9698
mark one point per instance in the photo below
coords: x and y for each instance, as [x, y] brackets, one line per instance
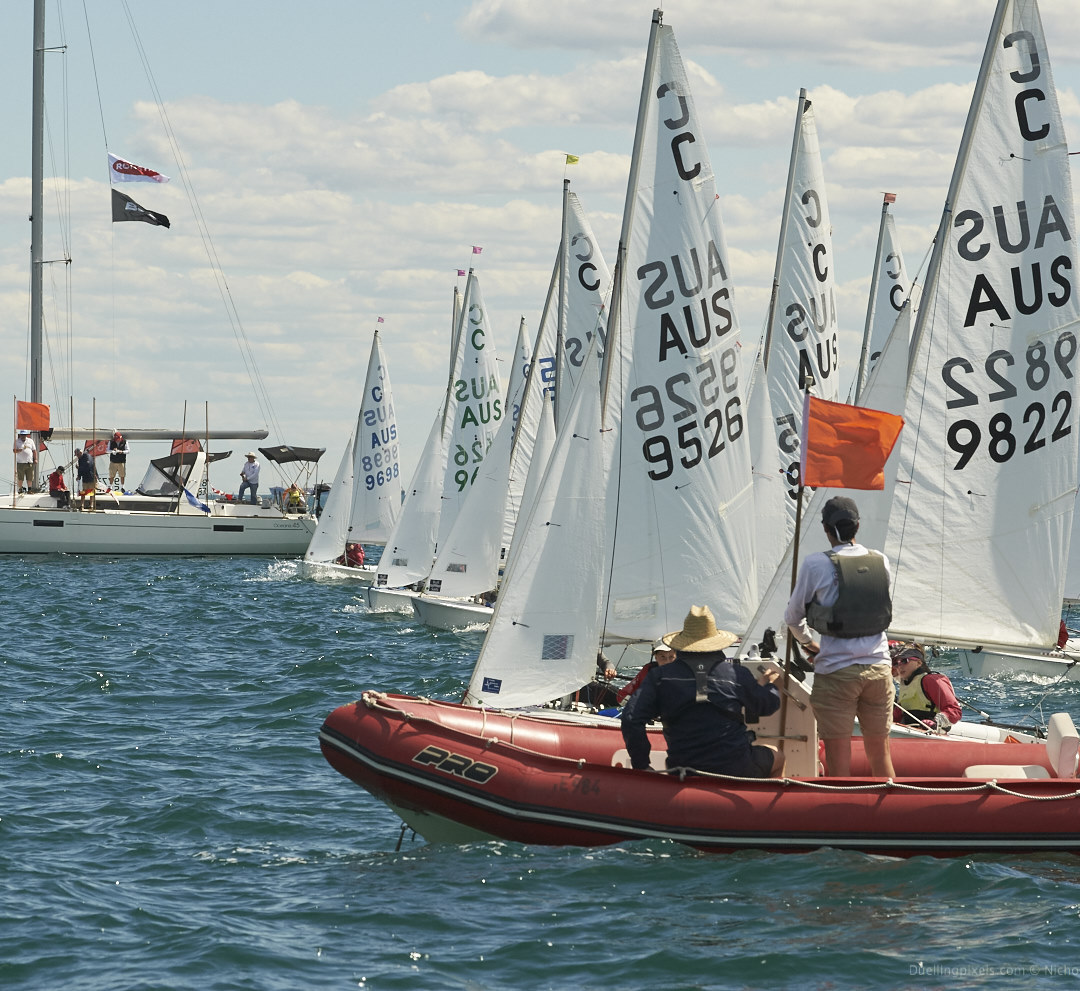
[982, 514]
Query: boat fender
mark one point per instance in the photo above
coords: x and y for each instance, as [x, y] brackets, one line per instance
[863, 607]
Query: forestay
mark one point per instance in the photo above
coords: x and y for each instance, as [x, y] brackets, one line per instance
[990, 443]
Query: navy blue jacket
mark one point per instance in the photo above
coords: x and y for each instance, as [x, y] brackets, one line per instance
[709, 736]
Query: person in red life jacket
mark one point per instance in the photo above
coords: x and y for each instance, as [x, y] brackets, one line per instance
[924, 696]
[58, 488]
[354, 555]
[661, 654]
[701, 697]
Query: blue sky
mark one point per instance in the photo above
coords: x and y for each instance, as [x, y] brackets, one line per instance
[346, 155]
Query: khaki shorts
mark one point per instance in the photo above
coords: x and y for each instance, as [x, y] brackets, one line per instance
[866, 690]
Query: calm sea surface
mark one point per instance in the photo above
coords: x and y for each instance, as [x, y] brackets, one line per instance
[167, 821]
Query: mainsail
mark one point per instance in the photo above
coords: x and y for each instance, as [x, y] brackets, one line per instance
[889, 287]
[800, 349]
[982, 515]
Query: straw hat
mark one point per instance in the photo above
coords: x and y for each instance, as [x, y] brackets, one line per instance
[251, 454]
[699, 634]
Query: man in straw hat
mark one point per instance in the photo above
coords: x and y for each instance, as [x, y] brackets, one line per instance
[843, 594]
[700, 697]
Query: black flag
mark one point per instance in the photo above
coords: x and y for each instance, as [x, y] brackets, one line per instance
[125, 208]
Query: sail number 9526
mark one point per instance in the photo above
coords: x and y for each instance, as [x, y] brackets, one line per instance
[691, 417]
[1044, 420]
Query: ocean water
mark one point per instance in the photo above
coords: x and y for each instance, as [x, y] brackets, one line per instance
[167, 822]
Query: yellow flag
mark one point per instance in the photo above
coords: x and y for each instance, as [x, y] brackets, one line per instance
[571, 159]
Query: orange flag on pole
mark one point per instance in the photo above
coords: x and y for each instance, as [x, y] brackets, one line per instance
[31, 416]
[846, 447]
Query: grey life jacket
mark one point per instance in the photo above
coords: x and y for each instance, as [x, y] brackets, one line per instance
[864, 606]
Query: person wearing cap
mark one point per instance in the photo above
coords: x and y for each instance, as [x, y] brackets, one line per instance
[249, 478]
[843, 594]
[119, 449]
[87, 473]
[701, 697]
[25, 459]
[661, 654]
[924, 696]
[58, 488]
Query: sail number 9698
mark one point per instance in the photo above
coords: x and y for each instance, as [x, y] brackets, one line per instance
[1042, 421]
[695, 422]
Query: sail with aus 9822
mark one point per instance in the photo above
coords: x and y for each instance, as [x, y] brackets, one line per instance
[979, 531]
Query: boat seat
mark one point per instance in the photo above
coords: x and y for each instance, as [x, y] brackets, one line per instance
[1006, 771]
[1062, 745]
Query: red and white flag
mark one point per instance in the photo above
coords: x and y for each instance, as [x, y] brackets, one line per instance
[121, 170]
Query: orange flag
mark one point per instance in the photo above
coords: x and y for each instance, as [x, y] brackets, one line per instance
[98, 447]
[188, 446]
[31, 416]
[846, 447]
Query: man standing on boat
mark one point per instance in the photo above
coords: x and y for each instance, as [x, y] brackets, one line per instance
[249, 478]
[25, 459]
[700, 696]
[119, 449]
[843, 594]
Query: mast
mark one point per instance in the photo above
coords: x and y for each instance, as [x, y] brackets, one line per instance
[37, 208]
[783, 228]
[871, 305]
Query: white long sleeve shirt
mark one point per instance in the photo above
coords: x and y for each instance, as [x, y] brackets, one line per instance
[817, 581]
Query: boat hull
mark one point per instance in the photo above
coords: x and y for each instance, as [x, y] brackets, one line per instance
[1043, 664]
[388, 600]
[45, 531]
[325, 571]
[451, 614]
[455, 772]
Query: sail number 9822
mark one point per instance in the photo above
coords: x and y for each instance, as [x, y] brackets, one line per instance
[1044, 420]
[689, 419]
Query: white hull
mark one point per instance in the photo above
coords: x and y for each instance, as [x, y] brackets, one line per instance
[325, 571]
[57, 531]
[389, 600]
[451, 614]
[1041, 663]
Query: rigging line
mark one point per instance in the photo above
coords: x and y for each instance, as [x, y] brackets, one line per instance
[262, 395]
[246, 352]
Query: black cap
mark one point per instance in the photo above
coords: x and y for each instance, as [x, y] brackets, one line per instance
[839, 508]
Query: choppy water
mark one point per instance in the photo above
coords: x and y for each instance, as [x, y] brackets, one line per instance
[167, 821]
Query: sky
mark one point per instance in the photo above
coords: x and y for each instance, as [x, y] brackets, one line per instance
[345, 157]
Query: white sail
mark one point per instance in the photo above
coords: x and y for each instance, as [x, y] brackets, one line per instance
[676, 383]
[474, 406]
[770, 485]
[801, 334]
[328, 540]
[377, 487]
[472, 553]
[515, 404]
[544, 633]
[889, 287]
[979, 533]
[584, 289]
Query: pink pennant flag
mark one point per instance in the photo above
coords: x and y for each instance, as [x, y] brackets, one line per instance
[461, 271]
[890, 197]
[380, 320]
[124, 171]
[476, 250]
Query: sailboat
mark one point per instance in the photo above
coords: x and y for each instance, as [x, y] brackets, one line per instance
[458, 772]
[889, 288]
[473, 557]
[460, 439]
[365, 497]
[172, 511]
